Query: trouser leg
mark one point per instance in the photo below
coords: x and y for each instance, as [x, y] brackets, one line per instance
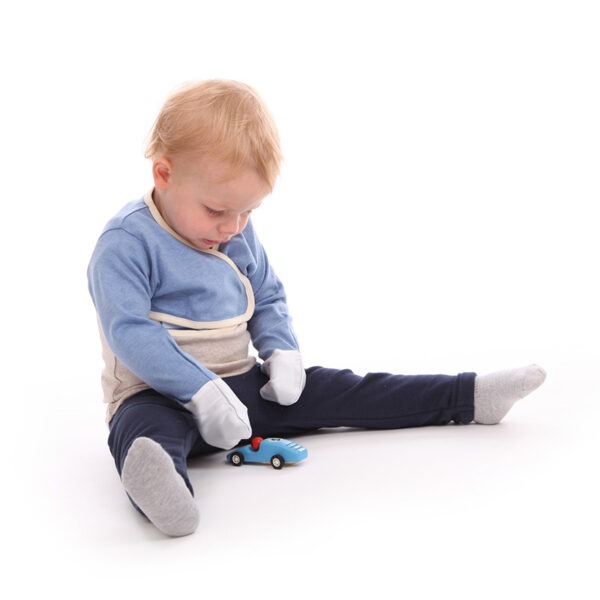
[340, 398]
[150, 415]
[331, 398]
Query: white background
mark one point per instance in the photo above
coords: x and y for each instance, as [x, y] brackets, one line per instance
[434, 214]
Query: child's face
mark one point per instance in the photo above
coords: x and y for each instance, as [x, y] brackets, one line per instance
[202, 202]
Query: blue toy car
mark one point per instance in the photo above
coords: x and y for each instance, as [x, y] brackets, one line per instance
[276, 451]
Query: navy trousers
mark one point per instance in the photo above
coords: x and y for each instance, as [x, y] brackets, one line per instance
[331, 398]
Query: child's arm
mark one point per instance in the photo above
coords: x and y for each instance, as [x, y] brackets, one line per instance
[271, 325]
[121, 284]
[271, 330]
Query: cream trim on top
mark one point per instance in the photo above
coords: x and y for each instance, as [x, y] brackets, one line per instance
[199, 325]
[181, 322]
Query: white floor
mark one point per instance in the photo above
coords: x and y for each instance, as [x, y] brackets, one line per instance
[463, 511]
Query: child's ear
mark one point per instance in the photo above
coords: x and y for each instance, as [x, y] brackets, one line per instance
[161, 172]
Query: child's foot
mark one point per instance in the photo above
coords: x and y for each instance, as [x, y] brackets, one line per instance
[497, 392]
[150, 479]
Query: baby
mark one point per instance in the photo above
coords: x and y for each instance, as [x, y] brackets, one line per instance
[182, 287]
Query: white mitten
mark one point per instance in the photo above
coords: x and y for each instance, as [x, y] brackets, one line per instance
[287, 377]
[221, 418]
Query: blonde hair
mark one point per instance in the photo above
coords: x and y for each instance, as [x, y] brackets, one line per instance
[222, 119]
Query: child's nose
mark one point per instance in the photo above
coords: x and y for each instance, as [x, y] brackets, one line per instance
[230, 226]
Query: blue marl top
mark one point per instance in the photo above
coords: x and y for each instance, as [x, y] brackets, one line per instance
[152, 289]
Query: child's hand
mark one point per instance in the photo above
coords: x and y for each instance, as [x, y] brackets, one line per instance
[286, 377]
[221, 418]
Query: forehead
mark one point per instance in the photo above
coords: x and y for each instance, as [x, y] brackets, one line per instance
[221, 183]
[214, 170]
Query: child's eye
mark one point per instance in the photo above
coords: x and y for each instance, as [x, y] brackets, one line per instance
[212, 212]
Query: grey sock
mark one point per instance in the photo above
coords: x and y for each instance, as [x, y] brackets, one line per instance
[150, 479]
[495, 393]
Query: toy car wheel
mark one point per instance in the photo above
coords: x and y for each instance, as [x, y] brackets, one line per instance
[277, 461]
[237, 459]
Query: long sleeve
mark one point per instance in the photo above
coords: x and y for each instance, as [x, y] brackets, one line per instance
[122, 284]
[271, 324]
